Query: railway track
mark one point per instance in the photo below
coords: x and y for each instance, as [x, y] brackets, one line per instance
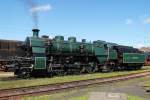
[17, 93]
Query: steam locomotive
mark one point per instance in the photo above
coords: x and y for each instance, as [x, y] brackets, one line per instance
[44, 56]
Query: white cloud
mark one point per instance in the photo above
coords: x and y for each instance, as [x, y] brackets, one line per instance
[146, 20]
[139, 45]
[40, 8]
[129, 21]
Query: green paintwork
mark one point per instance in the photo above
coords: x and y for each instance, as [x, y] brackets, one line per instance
[37, 45]
[112, 54]
[59, 38]
[38, 50]
[70, 47]
[133, 58]
[56, 47]
[102, 60]
[89, 48]
[36, 42]
[100, 54]
[65, 47]
[72, 39]
[35, 32]
[99, 43]
[40, 63]
[99, 51]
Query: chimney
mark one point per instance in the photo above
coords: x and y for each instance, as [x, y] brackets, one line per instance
[35, 32]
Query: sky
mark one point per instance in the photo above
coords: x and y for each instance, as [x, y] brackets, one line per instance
[126, 22]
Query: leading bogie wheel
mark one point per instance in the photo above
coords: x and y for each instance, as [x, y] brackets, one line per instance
[24, 73]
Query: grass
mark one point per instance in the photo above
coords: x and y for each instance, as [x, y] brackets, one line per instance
[57, 96]
[85, 97]
[141, 79]
[44, 97]
[62, 97]
[4, 84]
[65, 95]
[135, 98]
[146, 84]
[80, 98]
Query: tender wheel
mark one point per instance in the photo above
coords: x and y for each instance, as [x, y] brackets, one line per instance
[139, 67]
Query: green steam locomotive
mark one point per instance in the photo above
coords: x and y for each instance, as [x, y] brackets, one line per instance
[44, 56]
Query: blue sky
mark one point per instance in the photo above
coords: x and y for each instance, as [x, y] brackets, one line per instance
[125, 22]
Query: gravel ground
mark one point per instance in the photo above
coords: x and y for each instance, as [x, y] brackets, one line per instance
[131, 87]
